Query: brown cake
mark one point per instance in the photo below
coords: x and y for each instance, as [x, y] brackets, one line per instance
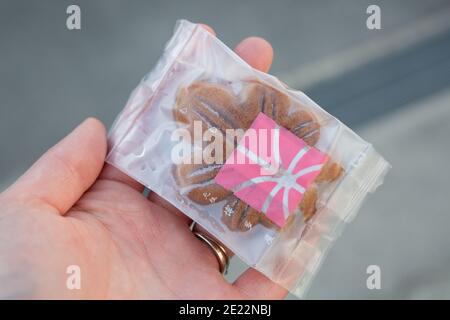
[217, 107]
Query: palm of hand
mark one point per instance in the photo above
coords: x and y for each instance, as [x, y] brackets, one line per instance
[125, 245]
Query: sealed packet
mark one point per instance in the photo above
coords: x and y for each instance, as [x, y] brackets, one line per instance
[262, 167]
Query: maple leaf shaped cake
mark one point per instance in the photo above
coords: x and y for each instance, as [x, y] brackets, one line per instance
[216, 107]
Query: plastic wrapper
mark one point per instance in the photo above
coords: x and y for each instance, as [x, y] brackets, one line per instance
[263, 168]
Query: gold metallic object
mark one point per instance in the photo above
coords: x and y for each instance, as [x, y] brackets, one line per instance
[218, 250]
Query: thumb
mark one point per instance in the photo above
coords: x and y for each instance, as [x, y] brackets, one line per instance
[66, 171]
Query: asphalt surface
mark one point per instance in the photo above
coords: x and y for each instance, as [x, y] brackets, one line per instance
[53, 78]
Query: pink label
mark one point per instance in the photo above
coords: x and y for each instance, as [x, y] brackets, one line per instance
[270, 169]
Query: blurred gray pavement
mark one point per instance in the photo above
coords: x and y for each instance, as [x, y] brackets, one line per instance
[52, 78]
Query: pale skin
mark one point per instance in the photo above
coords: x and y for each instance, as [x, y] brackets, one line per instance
[70, 208]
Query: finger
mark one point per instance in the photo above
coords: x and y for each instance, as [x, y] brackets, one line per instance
[257, 52]
[255, 285]
[113, 174]
[67, 170]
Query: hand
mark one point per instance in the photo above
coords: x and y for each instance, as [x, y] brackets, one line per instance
[71, 209]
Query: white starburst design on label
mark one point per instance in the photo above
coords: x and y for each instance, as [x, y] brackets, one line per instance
[277, 170]
[285, 180]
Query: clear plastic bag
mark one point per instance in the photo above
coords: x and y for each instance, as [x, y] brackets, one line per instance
[277, 224]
